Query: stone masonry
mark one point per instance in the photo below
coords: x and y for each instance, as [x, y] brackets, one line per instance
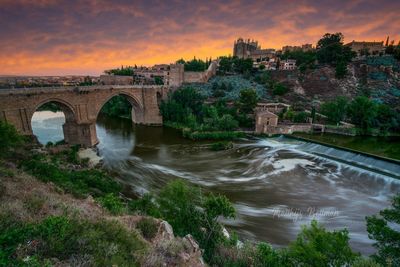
[81, 106]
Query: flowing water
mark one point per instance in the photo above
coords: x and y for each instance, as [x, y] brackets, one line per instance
[276, 184]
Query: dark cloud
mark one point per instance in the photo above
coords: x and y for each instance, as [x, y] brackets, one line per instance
[58, 36]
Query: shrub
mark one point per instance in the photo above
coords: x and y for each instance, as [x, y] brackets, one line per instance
[72, 240]
[315, 246]
[81, 183]
[221, 146]
[112, 203]
[384, 229]
[9, 138]
[148, 227]
[279, 89]
[145, 205]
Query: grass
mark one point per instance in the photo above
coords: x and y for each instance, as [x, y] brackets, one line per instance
[148, 227]
[388, 147]
[78, 242]
[80, 183]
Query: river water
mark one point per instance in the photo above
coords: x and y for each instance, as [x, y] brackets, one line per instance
[276, 184]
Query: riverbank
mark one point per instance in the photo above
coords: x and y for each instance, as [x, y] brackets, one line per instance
[386, 148]
[57, 210]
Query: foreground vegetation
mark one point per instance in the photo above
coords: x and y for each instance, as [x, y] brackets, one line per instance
[65, 237]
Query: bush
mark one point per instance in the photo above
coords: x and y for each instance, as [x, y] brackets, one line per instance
[112, 203]
[221, 146]
[384, 229]
[71, 240]
[145, 206]
[81, 183]
[279, 89]
[9, 138]
[315, 246]
[148, 227]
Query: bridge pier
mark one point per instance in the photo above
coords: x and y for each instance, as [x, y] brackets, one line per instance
[83, 134]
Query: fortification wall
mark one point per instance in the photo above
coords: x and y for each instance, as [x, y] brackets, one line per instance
[116, 80]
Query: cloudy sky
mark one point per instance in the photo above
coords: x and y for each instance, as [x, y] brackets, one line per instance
[52, 37]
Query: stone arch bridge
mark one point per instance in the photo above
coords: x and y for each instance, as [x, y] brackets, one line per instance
[81, 106]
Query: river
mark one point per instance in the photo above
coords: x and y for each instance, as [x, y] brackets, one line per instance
[276, 184]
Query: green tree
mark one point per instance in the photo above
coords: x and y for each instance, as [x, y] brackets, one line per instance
[335, 110]
[384, 229]
[9, 138]
[158, 80]
[279, 89]
[118, 106]
[189, 211]
[180, 104]
[315, 246]
[247, 101]
[123, 71]
[362, 112]
[330, 49]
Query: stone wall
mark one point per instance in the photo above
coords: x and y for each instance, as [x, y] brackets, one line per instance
[287, 128]
[116, 80]
[201, 77]
[351, 131]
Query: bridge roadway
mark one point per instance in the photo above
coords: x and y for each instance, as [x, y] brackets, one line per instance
[81, 106]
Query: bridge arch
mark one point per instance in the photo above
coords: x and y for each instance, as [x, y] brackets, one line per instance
[67, 109]
[137, 108]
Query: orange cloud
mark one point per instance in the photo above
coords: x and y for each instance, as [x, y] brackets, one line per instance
[55, 37]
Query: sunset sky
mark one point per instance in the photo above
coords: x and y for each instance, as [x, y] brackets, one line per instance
[51, 37]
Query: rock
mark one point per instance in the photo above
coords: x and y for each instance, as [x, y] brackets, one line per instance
[91, 154]
[165, 231]
[192, 244]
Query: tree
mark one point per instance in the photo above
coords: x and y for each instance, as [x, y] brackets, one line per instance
[158, 80]
[180, 104]
[335, 110]
[279, 89]
[247, 101]
[9, 138]
[384, 229]
[316, 246]
[362, 112]
[123, 71]
[330, 49]
[386, 118]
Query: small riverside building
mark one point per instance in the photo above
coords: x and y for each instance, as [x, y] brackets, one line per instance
[265, 119]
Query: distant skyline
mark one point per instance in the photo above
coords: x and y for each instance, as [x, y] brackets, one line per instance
[56, 37]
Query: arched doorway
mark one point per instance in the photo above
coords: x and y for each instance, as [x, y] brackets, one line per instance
[49, 119]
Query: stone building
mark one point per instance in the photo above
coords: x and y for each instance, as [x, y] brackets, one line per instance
[250, 49]
[264, 120]
[373, 48]
[287, 64]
